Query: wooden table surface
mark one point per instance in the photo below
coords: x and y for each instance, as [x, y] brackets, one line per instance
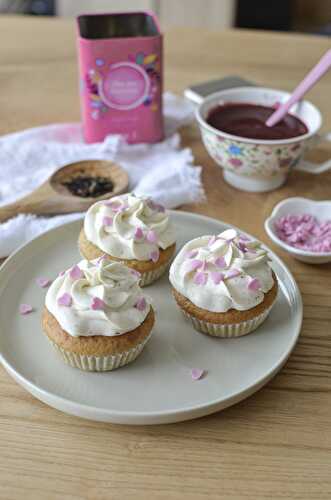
[277, 443]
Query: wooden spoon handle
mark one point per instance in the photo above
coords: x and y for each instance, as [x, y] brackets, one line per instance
[39, 202]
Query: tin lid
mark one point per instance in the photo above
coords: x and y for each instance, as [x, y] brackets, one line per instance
[118, 25]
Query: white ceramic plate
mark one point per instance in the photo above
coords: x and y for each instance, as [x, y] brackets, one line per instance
[298, 206]
[157, 387]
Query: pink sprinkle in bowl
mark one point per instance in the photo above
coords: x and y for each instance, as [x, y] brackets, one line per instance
[298, 206]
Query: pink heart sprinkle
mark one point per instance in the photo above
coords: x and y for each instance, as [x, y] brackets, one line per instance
[107, 221]
[155, 255]
[200, 278]
[43, 282]
[141, 304]
[118, 209]
[243, 237]
[212, 240]
[76, 273]
[194, 265]
[232, 274]
[242, 247]
[25, 309]
[151, 204]
[135, 273]
[113, 203]
[197, 373]
[97, 304]
[65, 300]
[191, 254]
[151, 236]
[254, 284]
[204, 266]
[138, 234]
[102, 258]
[160, 208]
[62, 273]
[217, 277]
[220, 262]
[123, 207]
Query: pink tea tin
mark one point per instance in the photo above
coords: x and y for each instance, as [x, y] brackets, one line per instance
[120, 64]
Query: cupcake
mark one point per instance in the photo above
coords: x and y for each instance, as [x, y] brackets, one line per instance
[224, 284]
[131, 229]
[96, 315]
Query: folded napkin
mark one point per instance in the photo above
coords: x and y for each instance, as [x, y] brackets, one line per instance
[163, 171]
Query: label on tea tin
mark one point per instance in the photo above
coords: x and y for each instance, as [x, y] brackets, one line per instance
[125, 86]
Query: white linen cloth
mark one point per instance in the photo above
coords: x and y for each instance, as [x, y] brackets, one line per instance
[163, 171]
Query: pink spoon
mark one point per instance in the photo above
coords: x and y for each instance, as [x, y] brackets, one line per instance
[307, 83]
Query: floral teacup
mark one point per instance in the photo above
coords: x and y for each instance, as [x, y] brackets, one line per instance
[254, 164]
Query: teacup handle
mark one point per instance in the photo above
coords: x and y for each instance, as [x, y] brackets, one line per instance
[315, 168]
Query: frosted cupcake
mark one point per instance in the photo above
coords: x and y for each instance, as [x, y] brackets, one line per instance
[224, 284]
[131, 229]
[96, 315]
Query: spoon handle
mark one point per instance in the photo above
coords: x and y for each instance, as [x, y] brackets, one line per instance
[313, 76]
[39, 202]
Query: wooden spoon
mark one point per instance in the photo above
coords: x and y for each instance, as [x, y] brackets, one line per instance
[54, 197]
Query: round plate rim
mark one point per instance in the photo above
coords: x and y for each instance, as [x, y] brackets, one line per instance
[154, 417]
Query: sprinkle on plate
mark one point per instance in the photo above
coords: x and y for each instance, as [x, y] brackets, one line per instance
[43, 282]
[197, 373]
[25, 309]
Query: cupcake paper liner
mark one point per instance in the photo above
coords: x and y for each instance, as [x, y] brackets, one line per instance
[230, 330]
[149, 277]
[100, 363]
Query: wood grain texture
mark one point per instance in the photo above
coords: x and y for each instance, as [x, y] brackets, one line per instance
[276, 444]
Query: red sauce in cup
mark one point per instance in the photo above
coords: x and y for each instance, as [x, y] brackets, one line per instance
[248, 120]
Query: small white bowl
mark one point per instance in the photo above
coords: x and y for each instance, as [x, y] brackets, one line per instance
[297, 206]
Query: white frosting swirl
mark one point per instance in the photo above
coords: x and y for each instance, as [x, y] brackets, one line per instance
[223, 272]
[97, 298]
[129, 227]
